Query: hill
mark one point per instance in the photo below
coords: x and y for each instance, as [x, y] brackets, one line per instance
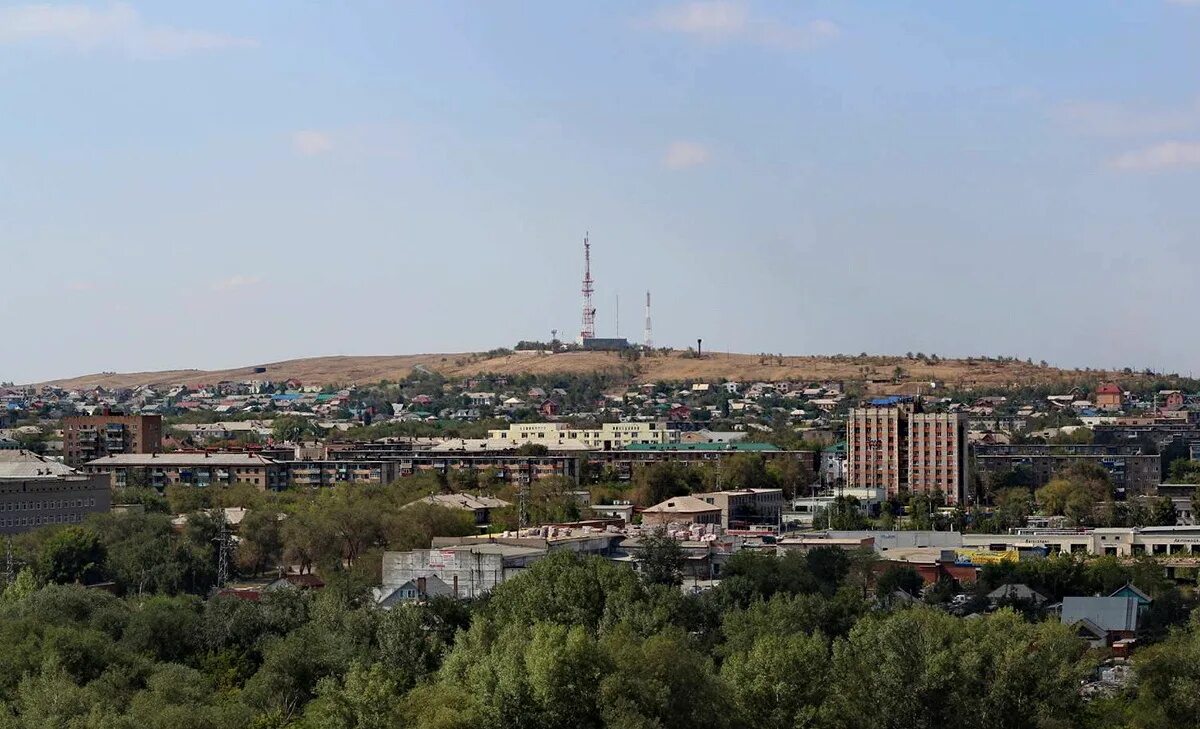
[671, 366]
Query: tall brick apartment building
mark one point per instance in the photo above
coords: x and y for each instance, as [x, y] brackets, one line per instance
[892, 446]
[88, 437]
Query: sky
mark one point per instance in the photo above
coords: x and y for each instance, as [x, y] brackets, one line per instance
[225, 183]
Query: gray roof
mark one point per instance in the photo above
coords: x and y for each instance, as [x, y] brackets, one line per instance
[1017, 592]
[469, 502]
[167, 460]
[1107, 613]
[26, 465]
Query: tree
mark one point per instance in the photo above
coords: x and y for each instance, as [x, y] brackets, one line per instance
[293, 428]
[1162, 512]
[780, 682]
[72, 554]
[261, 541]
[898, 578]
[660, 559]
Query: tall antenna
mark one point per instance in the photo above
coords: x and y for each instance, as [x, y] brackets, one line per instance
[617, 316]
[588, 331]
[648, 337]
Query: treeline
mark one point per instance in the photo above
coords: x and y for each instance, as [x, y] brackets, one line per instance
[340, 532]
[573, 642]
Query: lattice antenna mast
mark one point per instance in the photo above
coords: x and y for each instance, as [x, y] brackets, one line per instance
[648, 336]
[223, 544]
[588, 331]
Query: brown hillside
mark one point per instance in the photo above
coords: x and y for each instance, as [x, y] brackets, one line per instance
[675, 366]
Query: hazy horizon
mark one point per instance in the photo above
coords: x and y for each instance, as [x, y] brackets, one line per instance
[219, 185]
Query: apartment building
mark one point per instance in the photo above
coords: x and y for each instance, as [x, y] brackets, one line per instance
[877, 445]
[88, 437]
[1132, 470]
[609, 436]
[892, 446]
[937, 454]
[36, 491]
[194, 469]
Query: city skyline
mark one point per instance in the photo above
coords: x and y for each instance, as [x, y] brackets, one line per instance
[219, 185]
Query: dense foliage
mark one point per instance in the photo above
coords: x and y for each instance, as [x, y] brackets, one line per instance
[574, 642]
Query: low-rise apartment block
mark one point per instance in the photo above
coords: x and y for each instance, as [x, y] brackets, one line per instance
[1133, 472]
[193, 469]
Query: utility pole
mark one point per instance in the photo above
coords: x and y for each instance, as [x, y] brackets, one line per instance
[9, 574]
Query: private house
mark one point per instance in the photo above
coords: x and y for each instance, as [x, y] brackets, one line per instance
[1101, 621]
[1109, 396]
[1016, 593]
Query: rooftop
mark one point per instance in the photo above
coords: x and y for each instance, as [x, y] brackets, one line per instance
[24, 464]
[164, 460]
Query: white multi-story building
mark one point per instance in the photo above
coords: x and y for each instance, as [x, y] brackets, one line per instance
[609, 436]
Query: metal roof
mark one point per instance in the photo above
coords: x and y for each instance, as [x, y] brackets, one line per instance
[167, 460]
[1108, 613]
[27, 464]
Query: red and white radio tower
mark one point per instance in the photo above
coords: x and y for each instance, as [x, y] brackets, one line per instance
[589, 312]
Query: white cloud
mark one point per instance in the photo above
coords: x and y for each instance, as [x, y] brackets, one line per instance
[236, 281]
[1118, 120]
[728, 20]
[310, 142]
[117, 27]
[1165, 156]
[681, 155]
[712, 18]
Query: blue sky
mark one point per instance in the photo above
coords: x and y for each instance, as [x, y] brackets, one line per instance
[223, 183]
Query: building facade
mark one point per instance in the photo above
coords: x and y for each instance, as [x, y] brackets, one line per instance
[892, 446]
[743, 508]
[937, 454]
[35, 492]
[88, 437]
[1133, 472]
[194, 469]
[877, 447]
[609, 436]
